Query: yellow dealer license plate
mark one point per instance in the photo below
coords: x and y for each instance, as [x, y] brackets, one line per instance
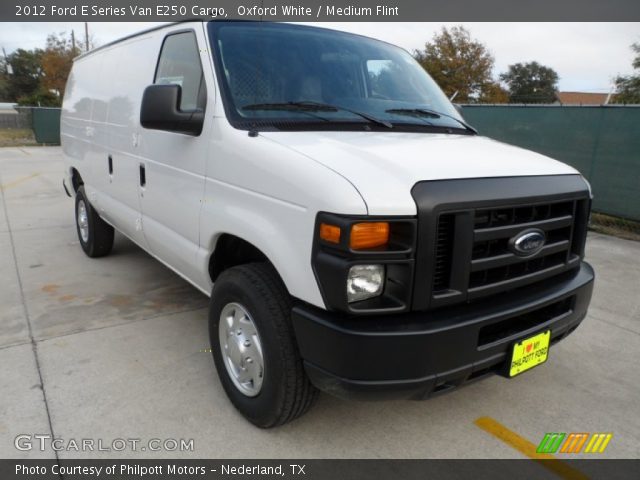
[529, 353]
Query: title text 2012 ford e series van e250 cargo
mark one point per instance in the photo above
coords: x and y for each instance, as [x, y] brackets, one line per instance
[355, 235]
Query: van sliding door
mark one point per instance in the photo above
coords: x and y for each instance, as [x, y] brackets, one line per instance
[120, 73]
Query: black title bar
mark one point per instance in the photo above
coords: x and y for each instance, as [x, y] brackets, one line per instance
[319, 10]
[296, 469]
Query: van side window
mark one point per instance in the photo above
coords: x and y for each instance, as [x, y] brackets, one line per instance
[179, 64]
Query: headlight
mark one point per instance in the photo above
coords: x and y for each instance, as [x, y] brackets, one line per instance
[364, 264]
[364, 281]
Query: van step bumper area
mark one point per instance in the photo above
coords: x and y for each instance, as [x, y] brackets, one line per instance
[420, 354]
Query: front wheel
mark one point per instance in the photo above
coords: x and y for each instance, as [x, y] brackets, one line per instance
[254, 346]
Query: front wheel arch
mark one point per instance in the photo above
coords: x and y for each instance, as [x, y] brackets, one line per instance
[230, 251]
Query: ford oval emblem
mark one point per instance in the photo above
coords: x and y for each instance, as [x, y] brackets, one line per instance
[528, 242]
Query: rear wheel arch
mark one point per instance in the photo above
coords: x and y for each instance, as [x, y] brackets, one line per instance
[76, 179]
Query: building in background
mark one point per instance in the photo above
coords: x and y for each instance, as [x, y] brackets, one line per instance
[584, 98]
[8, 108]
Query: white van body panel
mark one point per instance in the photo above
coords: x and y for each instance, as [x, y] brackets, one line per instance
[384, 167]
[75, 119]
[197, 188]
[247, 195]
[113, 90]
[266, 189]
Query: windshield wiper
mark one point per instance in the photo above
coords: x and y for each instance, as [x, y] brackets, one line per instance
[310, 106]
[430, 113]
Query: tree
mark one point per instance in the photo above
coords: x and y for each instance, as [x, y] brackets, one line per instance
[493, 93]
[57, 60]
[27, 73]
[4, 80]
[459, 64]
[4, 88]
[39, 77]
[531, 83]
[628, 87]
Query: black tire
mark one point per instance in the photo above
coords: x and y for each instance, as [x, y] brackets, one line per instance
[99, 241]
[286, 392]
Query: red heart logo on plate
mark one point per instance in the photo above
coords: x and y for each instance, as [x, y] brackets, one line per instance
[529, 347]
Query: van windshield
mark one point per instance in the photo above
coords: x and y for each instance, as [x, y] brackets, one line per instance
[283, 76]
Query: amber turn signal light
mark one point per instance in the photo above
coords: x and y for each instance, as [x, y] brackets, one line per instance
[329, 233]
[369, 235]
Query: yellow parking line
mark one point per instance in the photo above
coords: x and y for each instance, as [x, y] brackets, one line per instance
[527, 448]
[18, 181]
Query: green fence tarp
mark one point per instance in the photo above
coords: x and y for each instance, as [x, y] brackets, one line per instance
[602, 143]
[46, 125]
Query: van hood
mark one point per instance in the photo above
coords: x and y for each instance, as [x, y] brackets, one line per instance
[385, 166]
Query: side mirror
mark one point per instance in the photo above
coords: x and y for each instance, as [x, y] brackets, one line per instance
[160, 110]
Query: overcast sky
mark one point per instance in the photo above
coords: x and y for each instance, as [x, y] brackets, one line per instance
[586, 55]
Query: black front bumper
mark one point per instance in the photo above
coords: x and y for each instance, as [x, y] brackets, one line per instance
[415, 355]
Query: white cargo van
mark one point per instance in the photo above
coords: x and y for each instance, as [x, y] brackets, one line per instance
[355, 235]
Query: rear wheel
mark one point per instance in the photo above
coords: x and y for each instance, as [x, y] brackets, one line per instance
[254, 346]
[95, 235]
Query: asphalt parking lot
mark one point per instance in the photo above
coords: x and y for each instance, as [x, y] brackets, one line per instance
[116, 348]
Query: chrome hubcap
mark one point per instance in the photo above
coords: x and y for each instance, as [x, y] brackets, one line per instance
[83, 221]
[241, 349]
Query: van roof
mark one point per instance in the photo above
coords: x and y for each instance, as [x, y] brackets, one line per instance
[196, 20]
[133, 35]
